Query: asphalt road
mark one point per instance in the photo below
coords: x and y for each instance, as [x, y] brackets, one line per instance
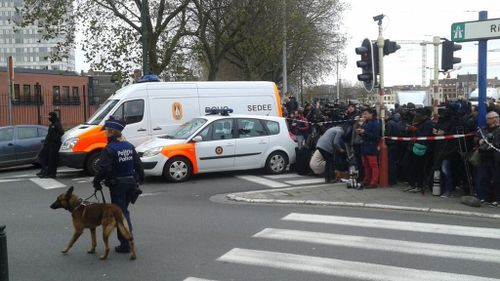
[187, 232]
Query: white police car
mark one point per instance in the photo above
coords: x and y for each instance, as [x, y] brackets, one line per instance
[220, 142]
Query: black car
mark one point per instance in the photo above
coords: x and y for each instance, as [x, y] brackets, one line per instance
[20, 144]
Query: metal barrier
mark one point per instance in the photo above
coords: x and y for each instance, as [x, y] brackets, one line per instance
[4, 266]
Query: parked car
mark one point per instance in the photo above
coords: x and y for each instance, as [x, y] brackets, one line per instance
[19, 145]
[215, 143]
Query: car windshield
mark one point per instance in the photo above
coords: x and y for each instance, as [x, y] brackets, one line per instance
[187, 129]
[101, 113]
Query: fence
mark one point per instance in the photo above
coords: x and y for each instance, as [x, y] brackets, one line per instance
[73, 108]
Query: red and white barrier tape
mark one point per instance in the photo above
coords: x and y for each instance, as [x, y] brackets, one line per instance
[430, 138]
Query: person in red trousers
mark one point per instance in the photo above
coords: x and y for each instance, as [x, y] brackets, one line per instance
[371, 133]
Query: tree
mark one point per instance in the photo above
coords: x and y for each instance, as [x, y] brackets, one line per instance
[112, 30]
[312, 37]
[219, 23]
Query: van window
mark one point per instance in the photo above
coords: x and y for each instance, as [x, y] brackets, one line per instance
[6, 134]
[101, 113]
[27, 133]
[272, 127]
[130, 112]
[248, 128]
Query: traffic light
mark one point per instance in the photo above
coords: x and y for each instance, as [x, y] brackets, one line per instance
[447, 58]
[390, 47]
[366, 64]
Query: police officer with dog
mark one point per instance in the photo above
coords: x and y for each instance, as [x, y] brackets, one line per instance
[121, 170]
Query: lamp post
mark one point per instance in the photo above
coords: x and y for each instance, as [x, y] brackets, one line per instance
[145, 37]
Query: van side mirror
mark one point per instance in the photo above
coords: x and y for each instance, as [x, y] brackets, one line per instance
[197, 139]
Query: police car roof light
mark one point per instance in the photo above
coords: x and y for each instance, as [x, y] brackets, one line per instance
[217, 111]
[149, 78]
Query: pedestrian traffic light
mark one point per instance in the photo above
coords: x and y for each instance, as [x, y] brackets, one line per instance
[447, 58]
[366, 64]
[390, 47]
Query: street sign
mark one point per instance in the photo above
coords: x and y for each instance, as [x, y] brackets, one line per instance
[475, 30]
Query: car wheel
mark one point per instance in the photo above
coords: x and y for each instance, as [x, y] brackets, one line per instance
[92, 164]
[276, 163]
[177, 169]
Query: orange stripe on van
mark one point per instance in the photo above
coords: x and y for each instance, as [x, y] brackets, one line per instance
[278, 100]
[94, 138]
[187, 150]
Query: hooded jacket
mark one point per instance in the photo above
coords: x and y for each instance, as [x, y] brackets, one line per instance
[55, 131]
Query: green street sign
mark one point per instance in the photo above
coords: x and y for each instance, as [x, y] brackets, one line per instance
[475, 30]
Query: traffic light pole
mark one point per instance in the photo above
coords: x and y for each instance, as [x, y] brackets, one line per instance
[384, 164]
[481, 78]
[436, 41]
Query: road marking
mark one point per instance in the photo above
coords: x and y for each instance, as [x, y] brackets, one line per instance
[83, 179]
[339, 268]
[48, 183]
[10, 180]
[197, 279]
[284, 176]
[399, 246]
[263, 181]
[447, 229]
[69, 170]
[305, 181]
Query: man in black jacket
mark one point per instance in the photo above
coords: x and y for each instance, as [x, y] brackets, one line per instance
[49, 155]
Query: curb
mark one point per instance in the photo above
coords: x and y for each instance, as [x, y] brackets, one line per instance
[238, 198]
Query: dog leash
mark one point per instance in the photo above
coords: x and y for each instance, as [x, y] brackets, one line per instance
[95, 195]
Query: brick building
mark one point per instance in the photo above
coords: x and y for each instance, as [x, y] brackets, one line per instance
[61, 91]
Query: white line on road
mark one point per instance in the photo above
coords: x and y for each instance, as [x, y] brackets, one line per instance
[83, 179]
[48, 183]
[284, 176]
[69, 170]
[197, 279]
[10, 180]
[340, 268]
[305, 181]
[263, 181]
[446, 229]
[399, 246]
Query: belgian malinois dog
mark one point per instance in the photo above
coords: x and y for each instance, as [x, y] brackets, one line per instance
[91, 216]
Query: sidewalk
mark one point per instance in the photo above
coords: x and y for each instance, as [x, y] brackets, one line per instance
[381, 198]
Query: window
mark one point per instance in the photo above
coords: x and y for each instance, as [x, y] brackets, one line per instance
[6, 134]
[272, 127]
[75, 97]
[17, 93]
[250, 128]
[56, 94]
[27, 133]
[65, 94]
[26, 93]
[130, 111]
[222, 129]
[42, 132]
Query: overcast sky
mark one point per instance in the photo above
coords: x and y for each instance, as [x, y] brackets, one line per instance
[415, 20]
[408, 20]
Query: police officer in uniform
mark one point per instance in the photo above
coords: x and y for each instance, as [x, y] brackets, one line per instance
[121, 169]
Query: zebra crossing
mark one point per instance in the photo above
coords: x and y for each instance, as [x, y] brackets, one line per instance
[283, 180]
[335, 268]
[66, 177]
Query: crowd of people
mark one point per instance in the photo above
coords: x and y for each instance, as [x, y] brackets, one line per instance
[338, 140]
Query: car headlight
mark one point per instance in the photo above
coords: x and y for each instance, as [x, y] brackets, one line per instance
[69, 144]
[152, 152]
